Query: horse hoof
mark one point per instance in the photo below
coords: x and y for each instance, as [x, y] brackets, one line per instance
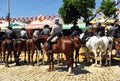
[25, 61]
[53, 69]
[17, 64]
[49, 70]
[7, 66]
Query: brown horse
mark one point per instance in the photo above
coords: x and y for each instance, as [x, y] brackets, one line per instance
[18, 48]
[77, 44]
[64, 45]
[116, 44]
[7, 46]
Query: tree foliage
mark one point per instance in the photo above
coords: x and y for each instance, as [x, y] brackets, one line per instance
[72, 10]
[108, 7]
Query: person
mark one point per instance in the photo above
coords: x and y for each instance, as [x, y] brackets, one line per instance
[75, 30]
[46, 30]
[55, 32]
[23, 34]
[36, 32]
[112, 30]
[100, 30]
[88, 33]
[10, 33]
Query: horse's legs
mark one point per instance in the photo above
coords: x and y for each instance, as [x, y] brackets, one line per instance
[37, 57]
[87, 55]
[110, 53]
[4, 53]
[28, 56]
[11, 58]
[58, 59]
[70, 63]
[106, 53]
[100, 55]
[76, 57]
[0, 53]
[42, 53]
[6, 59]
[17, 58]
[95, 53]
[51, 56]
[31, 58]
[25, 56]
[49, 62]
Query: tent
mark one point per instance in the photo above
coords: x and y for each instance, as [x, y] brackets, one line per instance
[39, 24]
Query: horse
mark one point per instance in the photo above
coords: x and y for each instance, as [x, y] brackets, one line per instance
[7, 46]
[64, 45]
[93, 43]
[3, 37]
[18, 48]
[117, 44]
[107, 44]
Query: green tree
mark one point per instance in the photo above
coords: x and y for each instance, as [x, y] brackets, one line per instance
[108, 7]
[72, 10]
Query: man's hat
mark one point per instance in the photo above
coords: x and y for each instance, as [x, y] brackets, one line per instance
[56, 20]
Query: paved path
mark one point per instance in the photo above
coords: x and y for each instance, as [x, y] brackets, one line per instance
[40, 73]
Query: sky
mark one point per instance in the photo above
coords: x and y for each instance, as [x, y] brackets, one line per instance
[28, 8]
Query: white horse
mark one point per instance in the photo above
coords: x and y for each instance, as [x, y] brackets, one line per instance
[103, 44]
[93, 44]
[107, 43]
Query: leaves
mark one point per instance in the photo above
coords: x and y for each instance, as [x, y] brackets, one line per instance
[72, 10]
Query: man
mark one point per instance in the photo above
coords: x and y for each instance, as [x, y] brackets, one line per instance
[36, 32]
[75, 30]
[55, 32]
[46, 30]
[11, 34]
[100, 30]
[88, 33]
[23, 34]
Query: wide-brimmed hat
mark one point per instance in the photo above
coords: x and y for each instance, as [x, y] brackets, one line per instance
[46, 26]
[56, 20]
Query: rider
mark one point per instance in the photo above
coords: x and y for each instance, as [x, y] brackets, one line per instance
[100, 30]
[23, 34]
[75, 30]
[10, 33]
[36, 32]
[88, 33]
[46, 30]
[56, 31]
